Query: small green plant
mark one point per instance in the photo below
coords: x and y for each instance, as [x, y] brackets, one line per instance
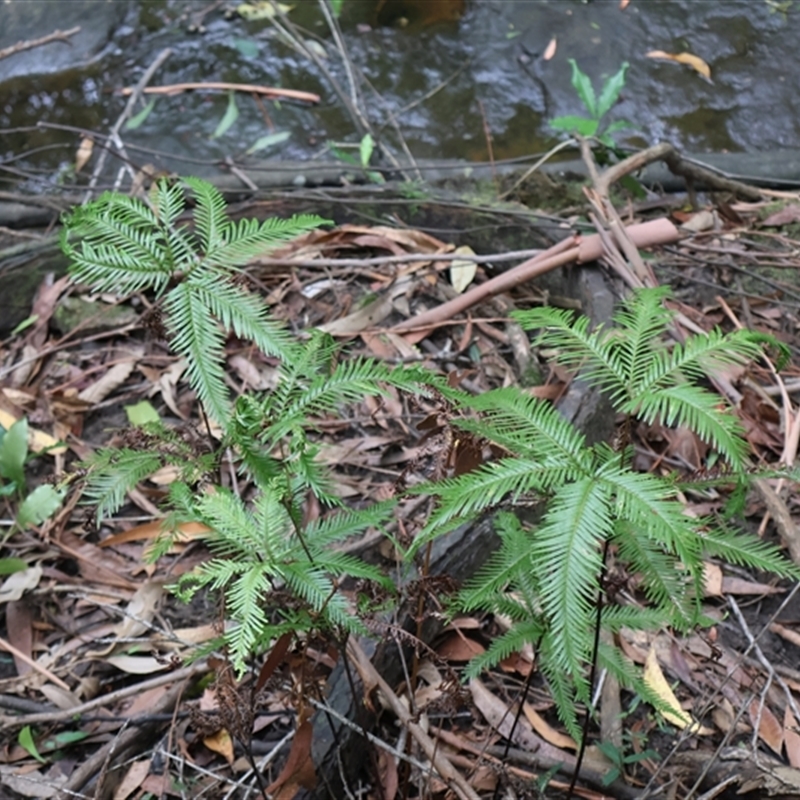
[263, 546]
[40, 504]
[598, 107]
[549, 577]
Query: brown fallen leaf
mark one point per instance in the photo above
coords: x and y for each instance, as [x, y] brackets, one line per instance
[298, 772]
[770, 731]
[550, 50]
[689, 59]
[547, 731]
[84, 153]
[791, 737]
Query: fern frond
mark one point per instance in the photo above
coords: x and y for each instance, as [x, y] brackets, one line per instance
[113, 473]
[566, 554]
[196, 335]
[745, 550]
[343, 524]
[249, 238]
[594, 352]
[695, 359]
[697, 409]
[244, 313]
[505, 645]
[527, 426]
[663, 575]
[210, 214]
[245, 604]
[469, 494]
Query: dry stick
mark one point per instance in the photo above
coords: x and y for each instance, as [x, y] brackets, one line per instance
[122, 743]
[269, 91]
[34, 665]
[371, 677]
[127, 111]
[692, 171]
[574, 248]
[61, 715]
[29, 44]
[380, 261]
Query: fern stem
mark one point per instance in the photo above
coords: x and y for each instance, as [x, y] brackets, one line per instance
[592, 674]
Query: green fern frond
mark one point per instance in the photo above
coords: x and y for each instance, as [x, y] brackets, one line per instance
[210, 215]
[245, 595]
[505, 645]
[527, 426]
[467, 495]
[113, 473]
[243, 313]
[695, 408]
[196, 336]
[593, 352]
[343, 524]
[745, 550]
[566, 553]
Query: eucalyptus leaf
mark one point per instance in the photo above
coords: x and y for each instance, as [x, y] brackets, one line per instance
[268, 140]
[137, 120]
[228, 119]
[365, 149]
[141, 413]
[8, 566]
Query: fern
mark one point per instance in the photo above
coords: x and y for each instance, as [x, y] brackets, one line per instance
[547, 578]
[125, 245]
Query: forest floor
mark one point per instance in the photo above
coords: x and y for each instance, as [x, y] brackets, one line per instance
[99, 692]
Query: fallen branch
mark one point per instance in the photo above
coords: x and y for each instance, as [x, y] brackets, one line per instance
[29, 44]
[575, 248]
[269, 91]
[371, 677]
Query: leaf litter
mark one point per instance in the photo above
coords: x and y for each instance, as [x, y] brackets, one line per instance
[96, 646]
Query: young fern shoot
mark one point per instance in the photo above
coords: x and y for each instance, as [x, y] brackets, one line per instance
[547, 578]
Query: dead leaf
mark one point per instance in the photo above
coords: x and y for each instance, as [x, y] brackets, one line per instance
[462, 271]
[136, 773]
[104, 386]
[183, 532]
[457, 647]
[770, 731]
[19, 625]
[84, 153]
[137, 665]
[623, 4]
[14, 586]
[786, 216]
[655, 680]
[222, 743]
[298, 771]
[550, 50]
[689, 59]
[37, 440]
[791, 737]
[546, 731]
[712, 580]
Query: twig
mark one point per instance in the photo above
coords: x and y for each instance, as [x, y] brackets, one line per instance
[107, 699]
[34, 665]
[379, 261]
[646, 234]
[269, 91]
[446, 770]
[29, 44]
[126, 112]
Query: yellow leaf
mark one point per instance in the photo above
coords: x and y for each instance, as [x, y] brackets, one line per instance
[462, 272]
[37, 440]
[84, 153]
[261, 9]
[673, 713]
[222, 743]
[693, 61]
